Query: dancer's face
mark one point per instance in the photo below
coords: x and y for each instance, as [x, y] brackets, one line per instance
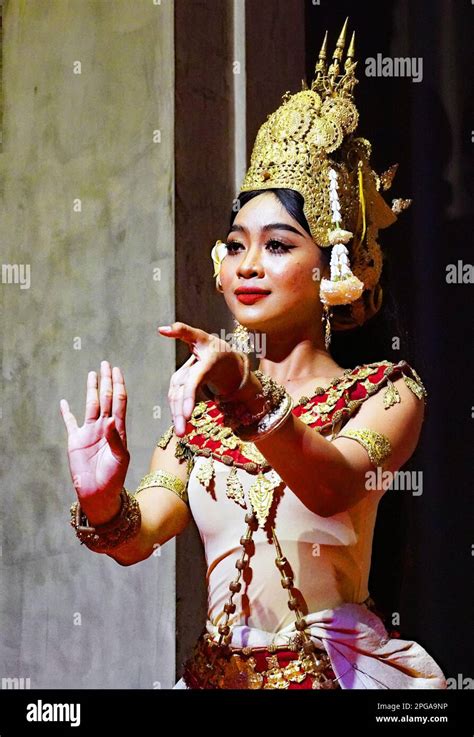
[269, 250]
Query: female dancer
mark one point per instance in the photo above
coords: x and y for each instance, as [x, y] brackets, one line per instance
[282, 468]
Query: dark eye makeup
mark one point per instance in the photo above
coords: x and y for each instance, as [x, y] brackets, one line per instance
[274, 246]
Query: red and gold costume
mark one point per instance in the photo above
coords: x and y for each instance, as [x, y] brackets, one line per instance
[296, 566]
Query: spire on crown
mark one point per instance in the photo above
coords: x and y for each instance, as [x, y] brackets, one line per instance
[330, 82]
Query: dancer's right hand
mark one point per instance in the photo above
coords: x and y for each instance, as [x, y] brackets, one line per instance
[97, 451]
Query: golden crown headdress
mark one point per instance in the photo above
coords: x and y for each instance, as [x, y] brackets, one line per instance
[308, 145]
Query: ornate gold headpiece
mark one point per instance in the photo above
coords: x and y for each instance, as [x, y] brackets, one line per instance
[308, 145]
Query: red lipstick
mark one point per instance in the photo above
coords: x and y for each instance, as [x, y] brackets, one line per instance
[250, 299]
[250, 295]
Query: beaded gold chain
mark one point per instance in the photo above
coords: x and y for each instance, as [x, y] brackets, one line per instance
[300, 640]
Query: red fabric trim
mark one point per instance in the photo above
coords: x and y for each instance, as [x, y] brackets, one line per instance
[355, 392]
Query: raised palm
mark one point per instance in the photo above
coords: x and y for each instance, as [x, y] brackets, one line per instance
[97, 451]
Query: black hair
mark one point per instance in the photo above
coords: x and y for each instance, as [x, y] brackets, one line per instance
[291, 200]
[371, 342]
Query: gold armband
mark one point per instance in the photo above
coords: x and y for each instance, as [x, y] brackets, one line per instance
[167, 481]
[377, 445]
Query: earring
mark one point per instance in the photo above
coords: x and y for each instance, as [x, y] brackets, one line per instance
[218, 253]
[326, 318]
[241, 338]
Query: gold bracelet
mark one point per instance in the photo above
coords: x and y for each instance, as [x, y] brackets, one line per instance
[167, 481]
[280, 404]
[102, 538]
[268, 424]
[377, 445]
[237, 416]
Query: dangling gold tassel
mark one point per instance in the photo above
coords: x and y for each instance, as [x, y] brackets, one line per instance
[234, 488]
[391, 395]
[261, 494]
[326, 318]
[261, 497]
[205, 472]
[361, 200]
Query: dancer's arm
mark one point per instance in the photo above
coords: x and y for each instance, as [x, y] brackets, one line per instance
[98, 462]
[164, 515]
[328, 477]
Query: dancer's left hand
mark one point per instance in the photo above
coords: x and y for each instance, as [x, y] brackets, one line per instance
[212, 362]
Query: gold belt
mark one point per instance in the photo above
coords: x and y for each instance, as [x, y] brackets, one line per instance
[214, 666]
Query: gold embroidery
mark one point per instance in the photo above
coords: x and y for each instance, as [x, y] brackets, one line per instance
[417, 388]
[166, 480]
[234, 488]
[308, 417]
[199, 409]
[238, 669]
[250, 451]
[229, 440]
[391, 395]
[228, 460]
[184, 452]
[261, 496]
[419, 381]
[205, 473]
[240, 673]
[377, 445]
[189, 465]
[207, 427]
[165, 438]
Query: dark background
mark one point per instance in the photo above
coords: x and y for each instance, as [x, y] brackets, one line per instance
[422, 558]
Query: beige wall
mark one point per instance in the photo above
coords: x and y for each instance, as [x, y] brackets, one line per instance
[85, 136]
[89, 136]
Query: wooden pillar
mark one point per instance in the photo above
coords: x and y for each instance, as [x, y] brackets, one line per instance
[214, 118]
